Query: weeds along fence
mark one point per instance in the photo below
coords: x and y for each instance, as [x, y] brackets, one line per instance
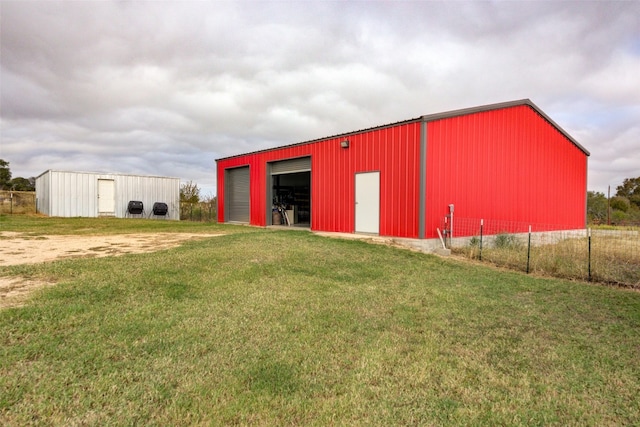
[200, 211]
[18, 202]
[592, 254]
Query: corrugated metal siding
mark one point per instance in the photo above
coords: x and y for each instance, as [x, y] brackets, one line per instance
[75, 194]
[43, 201]
[508, 164]
[393, 151]
[148, 189]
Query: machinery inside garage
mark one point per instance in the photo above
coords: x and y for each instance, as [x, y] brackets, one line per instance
[291, 192]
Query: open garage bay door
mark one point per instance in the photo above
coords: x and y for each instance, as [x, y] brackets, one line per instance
[289, 189]
[301, 164]
[237, 194]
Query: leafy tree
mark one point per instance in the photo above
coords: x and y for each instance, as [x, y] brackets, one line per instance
[5, 175]
[618, 217]
[22, 184]
[596, 206]
[189, 192]
[15, 184]
[630, 189]
[620, 203]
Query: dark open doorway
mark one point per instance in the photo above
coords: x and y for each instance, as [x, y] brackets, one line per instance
[292, 199]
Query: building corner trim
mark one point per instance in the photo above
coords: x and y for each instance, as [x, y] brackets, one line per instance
[422, 187]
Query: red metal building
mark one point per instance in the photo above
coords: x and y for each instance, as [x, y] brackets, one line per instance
[506, 161]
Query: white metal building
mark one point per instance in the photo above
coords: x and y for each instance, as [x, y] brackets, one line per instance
[90, 194]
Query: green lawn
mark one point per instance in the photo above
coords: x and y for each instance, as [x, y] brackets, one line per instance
[38, 225]
[262, 327]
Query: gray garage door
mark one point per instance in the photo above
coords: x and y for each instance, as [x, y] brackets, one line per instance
[237, 194]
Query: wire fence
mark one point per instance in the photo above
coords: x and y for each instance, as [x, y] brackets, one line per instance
[593, 254]
[200, 211]
[17, 202]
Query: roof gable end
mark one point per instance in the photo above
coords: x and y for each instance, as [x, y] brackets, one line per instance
[503, 105]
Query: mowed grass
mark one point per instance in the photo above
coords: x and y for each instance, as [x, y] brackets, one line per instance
[277, 327]
[41, 225]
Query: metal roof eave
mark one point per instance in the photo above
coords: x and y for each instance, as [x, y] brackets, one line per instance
[106, 173]
[430, 118]
[311, 141]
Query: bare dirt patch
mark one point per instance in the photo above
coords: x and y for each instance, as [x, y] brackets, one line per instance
[15, 291]
[19, 248]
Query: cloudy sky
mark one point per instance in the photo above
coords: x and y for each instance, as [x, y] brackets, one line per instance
[167, 87]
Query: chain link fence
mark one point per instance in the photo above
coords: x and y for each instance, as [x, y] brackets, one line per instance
[200, 211]
[593, 254]
[17, 202]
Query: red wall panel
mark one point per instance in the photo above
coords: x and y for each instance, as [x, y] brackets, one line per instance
[508, 164]
[394, 151]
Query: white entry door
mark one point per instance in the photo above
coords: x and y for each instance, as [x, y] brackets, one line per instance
[368, 202]
[106, 197]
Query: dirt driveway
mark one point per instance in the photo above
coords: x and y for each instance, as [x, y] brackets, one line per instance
[18, 248]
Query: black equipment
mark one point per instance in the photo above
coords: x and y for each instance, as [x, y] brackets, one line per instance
[160, 209]
[135, 207]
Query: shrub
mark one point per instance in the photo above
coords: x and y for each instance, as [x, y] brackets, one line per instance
[506, 241]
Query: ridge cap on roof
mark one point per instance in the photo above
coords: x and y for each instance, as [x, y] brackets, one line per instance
[477, 109]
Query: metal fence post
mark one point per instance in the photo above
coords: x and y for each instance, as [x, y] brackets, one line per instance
[589, 253]
[529, 250]
[481, 227]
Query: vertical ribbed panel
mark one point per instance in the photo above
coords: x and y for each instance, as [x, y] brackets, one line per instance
[504, 164]
[507, 164]
[238, 202]
[393, 151]
[43, 187]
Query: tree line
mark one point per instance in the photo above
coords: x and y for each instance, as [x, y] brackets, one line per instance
[621, 209]
[14, 184]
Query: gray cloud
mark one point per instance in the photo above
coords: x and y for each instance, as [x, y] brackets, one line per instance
[167, 87]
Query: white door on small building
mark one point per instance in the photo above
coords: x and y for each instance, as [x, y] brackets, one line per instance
[106, 197]
[368, 202]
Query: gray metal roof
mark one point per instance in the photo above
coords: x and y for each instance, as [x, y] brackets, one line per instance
[434, 117]
[105, 173]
